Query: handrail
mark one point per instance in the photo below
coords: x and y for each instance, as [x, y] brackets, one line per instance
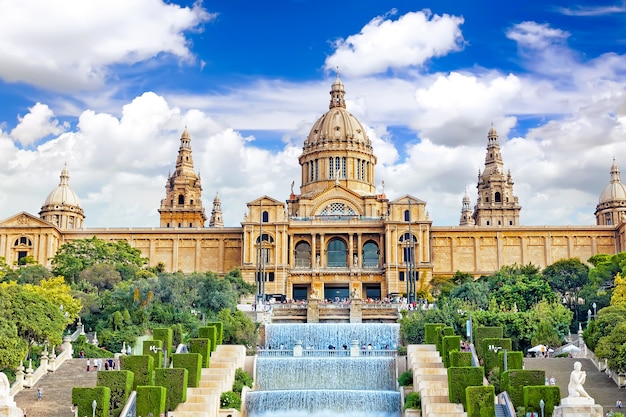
[505, 400]
[130, 409]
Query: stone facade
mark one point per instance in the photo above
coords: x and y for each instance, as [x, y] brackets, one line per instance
[338, 237]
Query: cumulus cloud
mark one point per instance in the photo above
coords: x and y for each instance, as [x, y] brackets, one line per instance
[385, 44]
[71, 48]
[37, 124]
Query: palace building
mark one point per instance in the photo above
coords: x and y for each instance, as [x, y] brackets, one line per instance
[336, 236]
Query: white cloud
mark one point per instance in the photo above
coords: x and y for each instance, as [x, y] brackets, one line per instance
[37, 124]
[385, 44]
[70, 47]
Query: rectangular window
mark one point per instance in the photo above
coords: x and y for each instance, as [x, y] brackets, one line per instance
[271, 276]
[343, 167]
[337, 167]
[316, 171]
[331, 173]
[401, 275]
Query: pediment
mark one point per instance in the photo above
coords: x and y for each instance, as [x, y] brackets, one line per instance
[265, 201]
[25, 219]
[338, 193]
[408, 197]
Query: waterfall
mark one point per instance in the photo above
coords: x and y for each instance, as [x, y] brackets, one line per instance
[331, 385]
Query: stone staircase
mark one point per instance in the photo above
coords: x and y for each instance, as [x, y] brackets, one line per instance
[204, 401]
[430, 379]
[57, 390]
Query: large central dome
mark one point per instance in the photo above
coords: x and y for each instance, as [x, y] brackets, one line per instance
[337, 150]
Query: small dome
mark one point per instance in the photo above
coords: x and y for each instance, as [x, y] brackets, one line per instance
[63, 194]
[615, 191]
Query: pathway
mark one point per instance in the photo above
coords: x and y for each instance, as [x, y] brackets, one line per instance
[57, 390]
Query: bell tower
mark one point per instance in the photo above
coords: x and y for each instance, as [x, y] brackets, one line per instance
[496, 204]
[182, 205]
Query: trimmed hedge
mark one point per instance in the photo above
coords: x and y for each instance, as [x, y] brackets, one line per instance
[209, 332]
[483, 332]
[480, 401]
[166, 335]
[141, 366]
[220, 330]
[460, 359]
[461, 378]
[514, 360]
[157, 354]
[150, 399]
[490, 358]
[430, 332]
[450, 344]
[174, 380]
[443, 332]
[192, 362]
[83, 398]
[550, 394]
[202, 347]
[514, 381]
[121, 385]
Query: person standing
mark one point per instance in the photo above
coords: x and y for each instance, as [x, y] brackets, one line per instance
[618, 405]
[88, 365]
[39, 393]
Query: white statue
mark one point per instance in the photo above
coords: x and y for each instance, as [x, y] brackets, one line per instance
[5, 389]
[576, 380]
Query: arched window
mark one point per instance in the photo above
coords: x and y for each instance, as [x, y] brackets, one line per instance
[181, 199]
[370, 255]
[337, 254]
[265, 248]
[303, 255]
[266, 217]
[408, 242]
[498, 197]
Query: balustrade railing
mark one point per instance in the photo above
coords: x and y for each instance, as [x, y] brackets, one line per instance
[130, 409]
[276, 353]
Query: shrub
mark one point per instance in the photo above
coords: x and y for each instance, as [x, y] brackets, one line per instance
[406, 378]
[230, 399]
[480, 401]
[83, 398]
[121, 384]
[150, 399]
[242, 378]
[174, 380]
[192, 362]
[141, 366]
[412, 400]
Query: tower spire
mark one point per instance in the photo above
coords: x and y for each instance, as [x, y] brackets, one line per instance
[182, 205]
[496, 204]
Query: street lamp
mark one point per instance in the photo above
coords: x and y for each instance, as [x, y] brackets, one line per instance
[94, 405]
[594, 305]
[542, 405]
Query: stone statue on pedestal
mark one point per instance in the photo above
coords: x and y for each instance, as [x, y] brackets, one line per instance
[576, 380]
[578, 403]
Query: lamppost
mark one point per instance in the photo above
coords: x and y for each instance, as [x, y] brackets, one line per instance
[94, 405]
[542, 405]
[410, 260]
[594, 305]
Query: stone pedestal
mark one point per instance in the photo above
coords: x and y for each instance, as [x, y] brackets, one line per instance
[578, 407]
[10, 411]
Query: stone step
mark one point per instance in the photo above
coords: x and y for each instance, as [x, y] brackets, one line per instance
[57, 390]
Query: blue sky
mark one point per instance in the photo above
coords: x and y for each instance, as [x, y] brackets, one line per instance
[108, 86]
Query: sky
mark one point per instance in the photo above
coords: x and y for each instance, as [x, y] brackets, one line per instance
[107, 88]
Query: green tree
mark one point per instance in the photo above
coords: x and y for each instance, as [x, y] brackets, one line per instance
[77, 255]
[36, 319]
[473, 292]
[546, 335]
[239, 329]
[102, 276]
[567, 277]
[619, 290]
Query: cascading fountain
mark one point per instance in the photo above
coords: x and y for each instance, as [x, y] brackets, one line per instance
[326, 370]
